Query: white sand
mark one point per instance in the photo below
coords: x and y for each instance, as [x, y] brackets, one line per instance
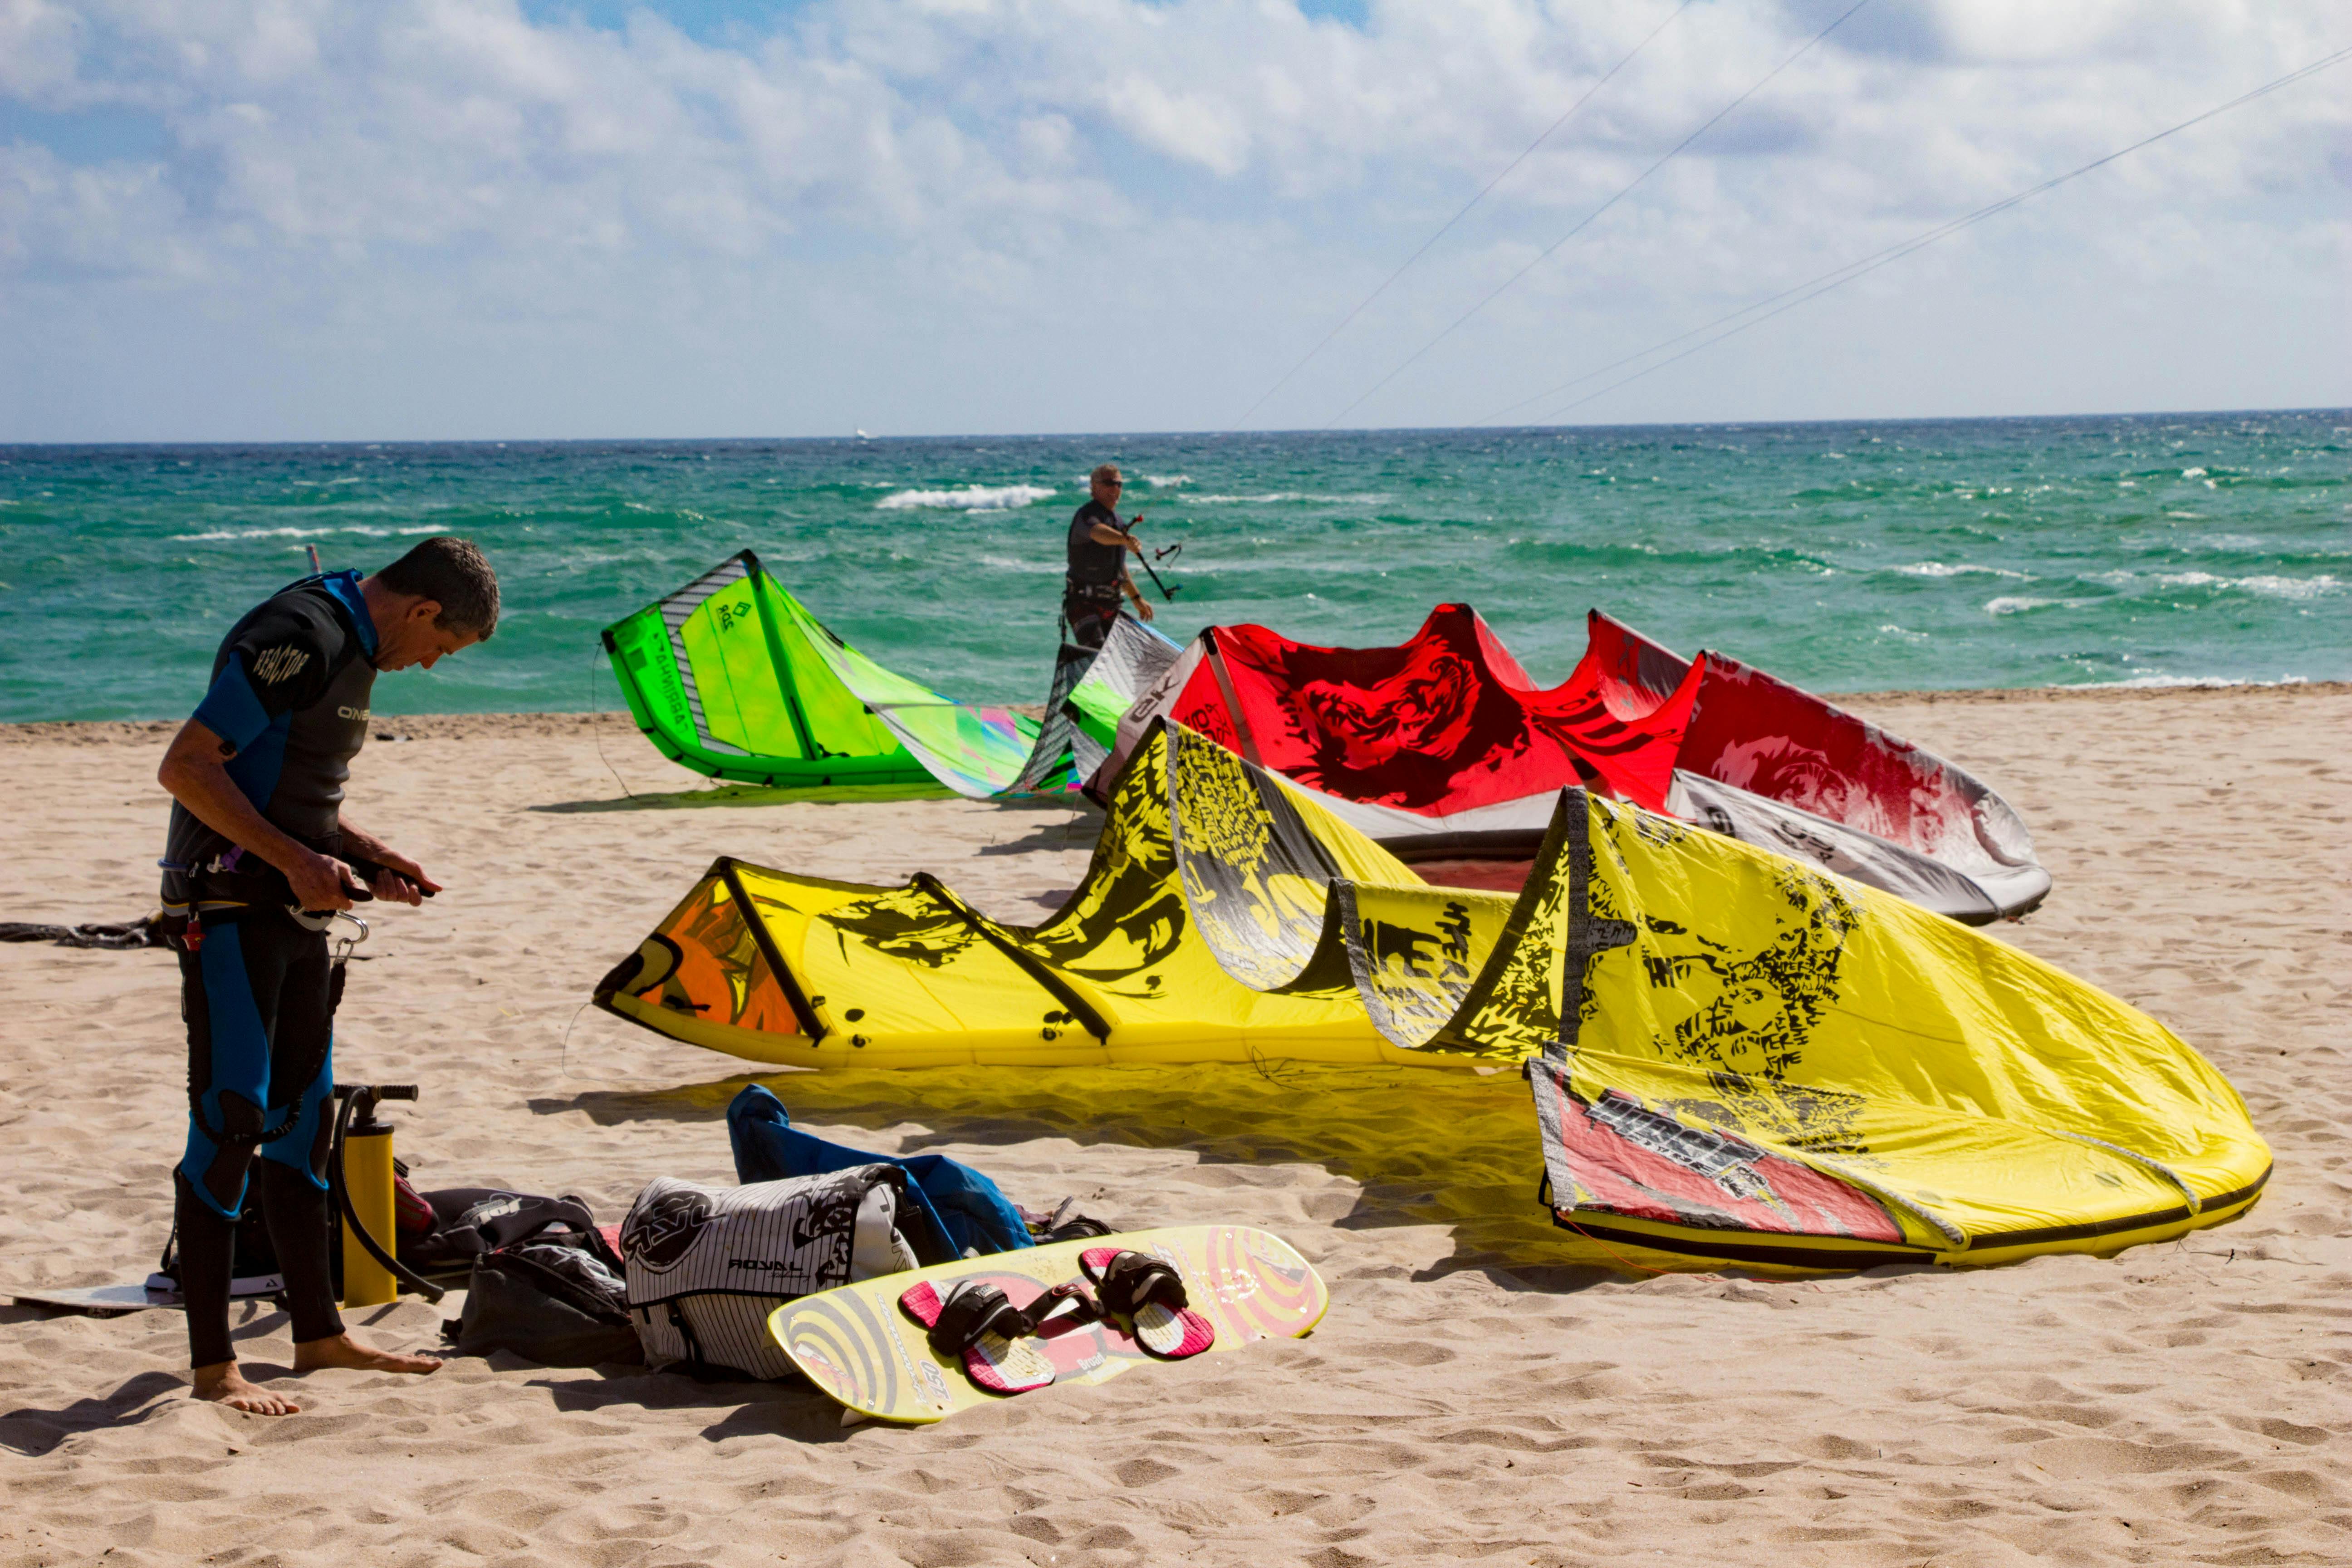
[1468, 1397]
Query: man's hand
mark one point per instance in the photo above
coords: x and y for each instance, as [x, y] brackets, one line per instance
[319, 881]
[1133, 524]
[1144, 606]
[402, 881]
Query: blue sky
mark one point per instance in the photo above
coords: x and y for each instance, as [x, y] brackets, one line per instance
[296, 219]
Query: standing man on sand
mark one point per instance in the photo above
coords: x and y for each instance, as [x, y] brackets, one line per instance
[1098, 546]
[259, 856]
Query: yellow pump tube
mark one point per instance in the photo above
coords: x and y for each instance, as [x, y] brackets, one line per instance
[367, 1173]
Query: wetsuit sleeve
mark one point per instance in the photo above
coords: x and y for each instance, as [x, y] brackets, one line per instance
[277, 663]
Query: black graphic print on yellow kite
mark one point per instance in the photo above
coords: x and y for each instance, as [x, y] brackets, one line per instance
[908, 924]
[655, 960]
[1253, 877]
[1128, 915]
[1743, 1020]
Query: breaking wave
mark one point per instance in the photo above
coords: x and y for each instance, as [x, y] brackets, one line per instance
[2267, 585]
[221, 534]
[1276, 498]
[1939, 569]
[971, 498]
[2269, 588]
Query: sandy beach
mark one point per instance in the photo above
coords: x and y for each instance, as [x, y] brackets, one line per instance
[1473, 1394]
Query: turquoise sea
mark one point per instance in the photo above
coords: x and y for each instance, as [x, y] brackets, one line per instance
[1847, 556]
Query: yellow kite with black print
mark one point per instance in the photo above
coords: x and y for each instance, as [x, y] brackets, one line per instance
[1733, 1057]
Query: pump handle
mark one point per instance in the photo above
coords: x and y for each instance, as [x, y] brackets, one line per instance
[379, 1091]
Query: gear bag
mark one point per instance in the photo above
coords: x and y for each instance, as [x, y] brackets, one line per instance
[555, 1304]
[962, 1205]
[543, 1283]
[705, 1266]
[443, 1232]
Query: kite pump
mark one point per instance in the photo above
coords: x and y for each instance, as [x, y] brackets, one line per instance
[362, 1173]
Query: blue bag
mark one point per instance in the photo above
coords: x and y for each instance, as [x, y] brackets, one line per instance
[962, 1205]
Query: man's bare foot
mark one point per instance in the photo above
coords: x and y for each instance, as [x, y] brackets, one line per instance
[222, 1384]
[309, 1355]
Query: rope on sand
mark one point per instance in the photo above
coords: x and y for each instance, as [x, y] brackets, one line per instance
[147, 932]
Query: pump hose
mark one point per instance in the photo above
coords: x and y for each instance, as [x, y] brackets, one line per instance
[401, 1271]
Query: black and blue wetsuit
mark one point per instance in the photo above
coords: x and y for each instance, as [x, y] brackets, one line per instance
[290, 693]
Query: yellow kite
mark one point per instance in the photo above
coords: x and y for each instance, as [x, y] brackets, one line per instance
[1732, 1056]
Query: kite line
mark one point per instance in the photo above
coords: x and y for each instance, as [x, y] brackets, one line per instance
[1447, 227]
[1837, 277]
[1588, 219]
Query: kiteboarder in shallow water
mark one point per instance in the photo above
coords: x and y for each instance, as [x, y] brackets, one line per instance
[257, 858]
[1097, 572]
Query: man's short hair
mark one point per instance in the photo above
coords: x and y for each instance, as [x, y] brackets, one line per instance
[1108, 471]
[454, 574]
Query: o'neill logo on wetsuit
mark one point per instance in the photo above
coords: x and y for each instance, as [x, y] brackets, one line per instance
[361, 714]
[279, 663]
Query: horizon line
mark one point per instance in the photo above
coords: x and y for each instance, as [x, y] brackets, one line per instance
[857, 438]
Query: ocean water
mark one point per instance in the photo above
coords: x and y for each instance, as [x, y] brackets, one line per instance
[1847, 556]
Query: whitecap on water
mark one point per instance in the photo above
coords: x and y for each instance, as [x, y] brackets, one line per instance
[2267, 586]
[218, 534]
[1939, 569]
[970, 498]
[2290, 587]
[1278, 498]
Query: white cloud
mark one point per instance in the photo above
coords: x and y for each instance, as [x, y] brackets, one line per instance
[36, 48]
[446, 217]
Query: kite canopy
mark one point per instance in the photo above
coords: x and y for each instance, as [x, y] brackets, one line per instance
[1443, 747]
[733, 677]
[1733, 1055]
[1445, 727]
[1752, 733]
[729, 676]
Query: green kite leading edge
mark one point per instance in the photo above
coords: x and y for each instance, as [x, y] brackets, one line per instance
[733, 677]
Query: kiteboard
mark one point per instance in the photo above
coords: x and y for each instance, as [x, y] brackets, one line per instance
[160, 1291]
[856, 1346]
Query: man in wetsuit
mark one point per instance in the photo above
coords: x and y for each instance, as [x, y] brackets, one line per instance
[258, 855]
[1098, 546]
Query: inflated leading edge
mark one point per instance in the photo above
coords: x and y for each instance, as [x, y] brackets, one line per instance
[1733, 1055]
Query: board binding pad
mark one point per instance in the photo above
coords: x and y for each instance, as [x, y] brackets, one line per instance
[861, 1351]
